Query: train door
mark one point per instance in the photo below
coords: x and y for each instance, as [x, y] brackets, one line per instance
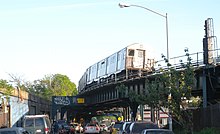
[138, 59]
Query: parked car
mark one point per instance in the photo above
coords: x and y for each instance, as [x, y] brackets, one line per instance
[91, 128]
[122, 128]
[13, 130]
[37, 124]
[103, 127]
[115, 127]
[138, 127]
[157, 131]
[127, 129]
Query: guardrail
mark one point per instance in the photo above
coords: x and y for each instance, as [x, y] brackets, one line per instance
[196, 60]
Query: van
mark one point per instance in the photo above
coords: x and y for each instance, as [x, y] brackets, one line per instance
[37, 124]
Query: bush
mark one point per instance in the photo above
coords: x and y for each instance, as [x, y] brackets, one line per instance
[208, 131]
[203, 131]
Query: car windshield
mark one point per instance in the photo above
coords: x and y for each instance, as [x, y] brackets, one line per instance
[39, 122]
[118, 125]
[29, 122]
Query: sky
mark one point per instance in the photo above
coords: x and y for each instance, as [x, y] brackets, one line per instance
[43, 37]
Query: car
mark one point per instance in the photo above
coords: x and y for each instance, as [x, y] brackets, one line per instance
[123, 127]
[37, 124]
[157, 131]
[115, 127]
[103, 127]
[92, 128]
[13, 130]
[79, 128]
[138, 127]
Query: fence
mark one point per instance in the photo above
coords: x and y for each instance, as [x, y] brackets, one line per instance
[207, 117]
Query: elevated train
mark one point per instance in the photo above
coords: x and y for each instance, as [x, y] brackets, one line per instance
[131, 61]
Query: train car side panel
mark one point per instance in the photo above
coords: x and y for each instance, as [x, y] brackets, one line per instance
[93, 72]
[121, 60]
[112, 64]
[88, 75]
[102, 68]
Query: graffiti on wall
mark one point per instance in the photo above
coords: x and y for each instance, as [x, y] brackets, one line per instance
[61, 100]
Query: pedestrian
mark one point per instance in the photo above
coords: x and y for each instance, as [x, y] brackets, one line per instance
[56, 128]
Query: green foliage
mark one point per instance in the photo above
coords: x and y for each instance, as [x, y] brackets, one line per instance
[208, 131]
[52, 85]
[62, 86]
[171, 89]
[5, 88]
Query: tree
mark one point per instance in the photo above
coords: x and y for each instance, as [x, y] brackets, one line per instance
[52, 85]
[62, 86]
[171, 89]
[41, 88]
[17, 81]
[5, 88]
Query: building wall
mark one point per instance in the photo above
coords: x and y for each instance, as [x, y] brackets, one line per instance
[21, 103]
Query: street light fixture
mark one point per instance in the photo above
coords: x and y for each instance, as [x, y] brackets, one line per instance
[123, 5]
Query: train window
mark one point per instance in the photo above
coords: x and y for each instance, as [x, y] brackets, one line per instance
[130, 52]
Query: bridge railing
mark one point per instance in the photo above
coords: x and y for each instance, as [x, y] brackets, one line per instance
[197, 60]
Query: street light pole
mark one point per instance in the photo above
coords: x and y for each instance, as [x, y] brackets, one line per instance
[167, 43]
[164, 16]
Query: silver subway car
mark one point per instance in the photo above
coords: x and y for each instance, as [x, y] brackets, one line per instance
[131, 61]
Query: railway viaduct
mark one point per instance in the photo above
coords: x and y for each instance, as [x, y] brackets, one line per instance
[106, 95]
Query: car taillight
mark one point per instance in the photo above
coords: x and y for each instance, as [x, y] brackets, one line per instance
[46, 129]
[97, 128]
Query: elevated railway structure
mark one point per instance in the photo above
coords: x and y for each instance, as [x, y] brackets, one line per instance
[103, 94]
[106, 95]
[137, 66]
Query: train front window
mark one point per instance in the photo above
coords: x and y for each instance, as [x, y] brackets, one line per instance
[130, 52]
